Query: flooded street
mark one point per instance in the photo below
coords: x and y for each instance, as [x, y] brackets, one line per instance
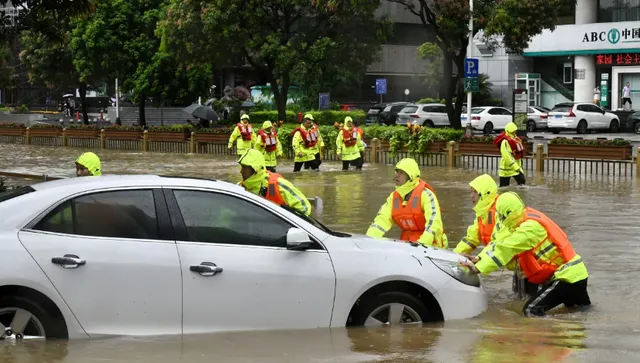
[599, 214]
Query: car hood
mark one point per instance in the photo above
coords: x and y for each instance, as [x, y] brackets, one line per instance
[390, 245]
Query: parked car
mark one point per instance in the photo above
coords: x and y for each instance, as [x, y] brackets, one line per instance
[487, 118]
[634, 122]
[429, 115]
[581, 117]
[148, 255]
[384, 113]
[537, 118]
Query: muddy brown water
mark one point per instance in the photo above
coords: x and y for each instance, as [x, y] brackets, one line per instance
[600, 215]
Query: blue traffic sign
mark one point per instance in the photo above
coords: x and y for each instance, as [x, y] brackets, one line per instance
[471, 67]
[323, 101]
[381, 86]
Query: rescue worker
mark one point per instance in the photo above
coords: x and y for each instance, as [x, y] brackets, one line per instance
[349, 145]
[88, 164]
[544, 254]
[244, 135]
[318, 147]
[304, 142]
[512, 152]
[484, 194]
[269, 145]
[258, 180]
[414, 207]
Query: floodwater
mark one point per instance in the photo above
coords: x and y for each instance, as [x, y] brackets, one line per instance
[598, 213]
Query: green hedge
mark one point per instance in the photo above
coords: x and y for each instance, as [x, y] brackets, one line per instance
[614, 142]
[320, 117]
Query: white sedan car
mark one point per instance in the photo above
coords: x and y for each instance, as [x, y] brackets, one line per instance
[151, 255]
[581, 117]
[487, 118]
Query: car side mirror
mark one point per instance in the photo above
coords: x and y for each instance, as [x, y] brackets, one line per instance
[298, 240]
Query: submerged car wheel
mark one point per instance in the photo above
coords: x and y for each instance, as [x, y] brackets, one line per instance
[26, 319]
[531, 126]
[391, 308]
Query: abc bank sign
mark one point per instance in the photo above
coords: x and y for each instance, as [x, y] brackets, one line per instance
[596, 38]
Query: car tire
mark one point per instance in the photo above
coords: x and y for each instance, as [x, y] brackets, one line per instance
[428, 123]
[636, 127]
[380, 302]
[531, 126]
[488, 128]
[583, 127]
[54, 327]
[614, 126]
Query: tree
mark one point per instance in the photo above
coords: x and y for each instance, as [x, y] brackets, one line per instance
[512, 23]
[284, 40]
[118, 41]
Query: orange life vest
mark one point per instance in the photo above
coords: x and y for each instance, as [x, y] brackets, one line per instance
[360, 131]
[485, 230]
[410, 217]
[349, 137]
[310, 138]
[273, 190]
[515, 144]
[245, 131]
[534, 268]
[270, 141]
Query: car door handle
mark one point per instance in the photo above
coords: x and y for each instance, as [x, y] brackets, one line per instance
[206, 269]
[69, 261]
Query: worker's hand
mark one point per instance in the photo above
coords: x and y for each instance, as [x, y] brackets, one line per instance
[470, 265]
[473, 259]
[338, 153]
[230, 147]
[300, 155]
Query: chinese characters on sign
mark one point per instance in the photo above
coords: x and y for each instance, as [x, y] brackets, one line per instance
[625, 59]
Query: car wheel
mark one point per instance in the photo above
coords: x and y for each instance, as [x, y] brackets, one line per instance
[428, 123]
[583, 127]
[531, 125]
[488, 128]
[27, 319]
[636, 127]
[391, 308]
[614, 126]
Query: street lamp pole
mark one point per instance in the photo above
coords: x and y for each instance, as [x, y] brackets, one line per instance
[469, 55]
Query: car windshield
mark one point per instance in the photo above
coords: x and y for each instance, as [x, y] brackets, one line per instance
[477, 110]
[15, 192]
[409, 109]
[315, 222]
[562, 108]
[542, 109]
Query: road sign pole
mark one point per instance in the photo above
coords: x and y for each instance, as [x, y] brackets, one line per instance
[470, 94]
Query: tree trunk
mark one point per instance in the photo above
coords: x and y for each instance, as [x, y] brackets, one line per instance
[280, 96]
[460, 94]
[83, 100]
[141, 104]
[449, 87]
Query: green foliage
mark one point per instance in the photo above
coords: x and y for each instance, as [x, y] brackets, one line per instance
[433, 56]
[173, 128]
[611, 143]
[11, 125]
[416, 139]
[45, 126]
[123, 128]
[83, 127]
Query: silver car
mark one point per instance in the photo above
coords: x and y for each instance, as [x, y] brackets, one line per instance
[537, 118]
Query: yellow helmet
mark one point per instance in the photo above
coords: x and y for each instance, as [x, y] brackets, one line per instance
[254, 159]
[267, 124]
[244, 117]
[309, 116]
[90, 161]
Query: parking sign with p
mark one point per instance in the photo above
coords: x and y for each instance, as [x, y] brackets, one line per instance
[471, 68]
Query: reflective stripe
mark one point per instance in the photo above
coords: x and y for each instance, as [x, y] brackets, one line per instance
[545, 250]
[396, 204]
[534, 215]
[494, 258]
[490, 218]
[432, 199]
[414, 203]
[301, 200]
[468, 243]
[378, 228]
[536, 301]
[272, 190]
[569, 264]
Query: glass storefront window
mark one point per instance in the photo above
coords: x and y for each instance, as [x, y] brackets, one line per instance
[618, 10]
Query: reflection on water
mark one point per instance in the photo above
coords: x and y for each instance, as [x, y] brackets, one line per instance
[600, 215]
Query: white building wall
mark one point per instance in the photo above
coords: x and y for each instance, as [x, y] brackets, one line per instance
[585, 65]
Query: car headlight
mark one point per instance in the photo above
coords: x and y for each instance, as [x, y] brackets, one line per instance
[458, 272]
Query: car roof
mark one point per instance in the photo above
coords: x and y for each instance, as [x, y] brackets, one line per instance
[115, 181]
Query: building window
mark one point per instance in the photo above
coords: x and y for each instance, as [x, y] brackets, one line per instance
[567, 73]
[618, 10]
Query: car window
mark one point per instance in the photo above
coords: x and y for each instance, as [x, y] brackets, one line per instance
[583, 108]
[118, 214]
[397, 109]
[220, 218]
[563, 108]
[531, 110]
[427, 108]
[13, 193]
[541, 109]
[439, 109]
[594, 108]
[475, 111]
[495, 111]
[410, 109]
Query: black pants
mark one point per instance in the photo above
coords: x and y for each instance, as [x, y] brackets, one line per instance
[530, 289]
[357, 163]
[271, 169]
[506, 180]
[555, 293]
[625, 100]
[314, 164]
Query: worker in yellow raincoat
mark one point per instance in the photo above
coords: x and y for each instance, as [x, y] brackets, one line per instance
[243, 135]
[269, 145]
[318, 147]
[88, 164]
[305, 142]
[414, 207]
[512, 152]
[349, 145]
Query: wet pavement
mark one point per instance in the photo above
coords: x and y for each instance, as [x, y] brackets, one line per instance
[599, 214]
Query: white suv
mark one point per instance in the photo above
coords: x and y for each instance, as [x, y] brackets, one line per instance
[430, 115]
[581, 117]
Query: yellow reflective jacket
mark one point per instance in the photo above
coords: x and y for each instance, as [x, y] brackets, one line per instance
[299, 147]
[349, 153]
[270, 157]
[258, 183]
[434, 229]
[487, 190]
[522, 238]
[241, 145]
